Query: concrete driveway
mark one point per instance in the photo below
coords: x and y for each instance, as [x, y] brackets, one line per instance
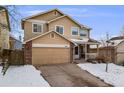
[69, 75]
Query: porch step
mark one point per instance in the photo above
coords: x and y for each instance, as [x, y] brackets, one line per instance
[80, 61]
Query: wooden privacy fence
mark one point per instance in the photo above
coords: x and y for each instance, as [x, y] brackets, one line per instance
[106, 53]
[16, 57]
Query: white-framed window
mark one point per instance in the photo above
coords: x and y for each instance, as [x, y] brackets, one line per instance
[74, 31]
[83, 33]
[59, 29]
[37, 27]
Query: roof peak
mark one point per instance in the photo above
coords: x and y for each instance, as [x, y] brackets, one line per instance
[55, 9]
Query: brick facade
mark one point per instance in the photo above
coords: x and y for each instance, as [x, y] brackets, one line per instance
[28, 53]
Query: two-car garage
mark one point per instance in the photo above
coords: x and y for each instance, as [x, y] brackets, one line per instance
[50, 55]
[47, 50]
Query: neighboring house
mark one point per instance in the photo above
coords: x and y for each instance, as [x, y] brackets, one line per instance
[4, 29]
[118, 44]
[15, 44]
[54, 37]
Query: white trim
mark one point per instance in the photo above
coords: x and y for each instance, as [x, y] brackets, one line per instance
[33, 28]
[51, 45]
[36, 21]
[71, 31]
[56, 19]
[60, 26]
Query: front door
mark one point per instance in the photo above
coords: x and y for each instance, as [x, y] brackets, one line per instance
[76, 52]
[82, 53]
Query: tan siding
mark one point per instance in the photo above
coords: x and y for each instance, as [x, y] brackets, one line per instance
[120, 47]
[47, 40]
[28, 25]
[50, 55]
[120, 58]
[4, 33]
[67, 23]
[120, 53]
[28, 30]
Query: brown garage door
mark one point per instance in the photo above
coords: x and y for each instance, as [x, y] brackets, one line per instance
[50, 55]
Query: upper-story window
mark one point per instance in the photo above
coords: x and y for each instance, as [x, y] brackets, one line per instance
[37, 27]
[60, 29]
[83, 33]
[74, 30]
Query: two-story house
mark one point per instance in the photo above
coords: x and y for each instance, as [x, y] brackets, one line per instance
[4, 28]
[54, 37]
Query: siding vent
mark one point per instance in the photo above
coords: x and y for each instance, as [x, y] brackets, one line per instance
[52, 35]
[55, 13]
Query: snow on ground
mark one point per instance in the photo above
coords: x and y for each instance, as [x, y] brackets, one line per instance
[114, 76]
[22, 76]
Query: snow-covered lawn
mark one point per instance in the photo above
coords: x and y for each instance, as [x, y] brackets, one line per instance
[114, 76]
[22, 76]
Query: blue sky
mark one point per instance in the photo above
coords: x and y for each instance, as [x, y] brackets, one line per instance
[101, 19]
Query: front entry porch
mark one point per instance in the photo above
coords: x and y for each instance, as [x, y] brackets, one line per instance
[82, 52]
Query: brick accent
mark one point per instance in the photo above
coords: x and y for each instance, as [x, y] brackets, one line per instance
[28, 53]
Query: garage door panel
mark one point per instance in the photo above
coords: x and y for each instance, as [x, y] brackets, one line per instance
[50, 55]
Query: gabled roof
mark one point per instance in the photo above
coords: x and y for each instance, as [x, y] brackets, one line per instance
[43, 13]
[63, 15]
[82, 26]
[56, 19]
[85, 41]
[46, 34]
[115, 41]
[93, 41]
[117, 38]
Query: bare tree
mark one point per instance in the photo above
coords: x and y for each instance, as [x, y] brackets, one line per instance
[14, 22]
[122, 31]
[2, 25]
[107, 37]
[14, 16]
[14, 19]
[104, 39]
[105, 43]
